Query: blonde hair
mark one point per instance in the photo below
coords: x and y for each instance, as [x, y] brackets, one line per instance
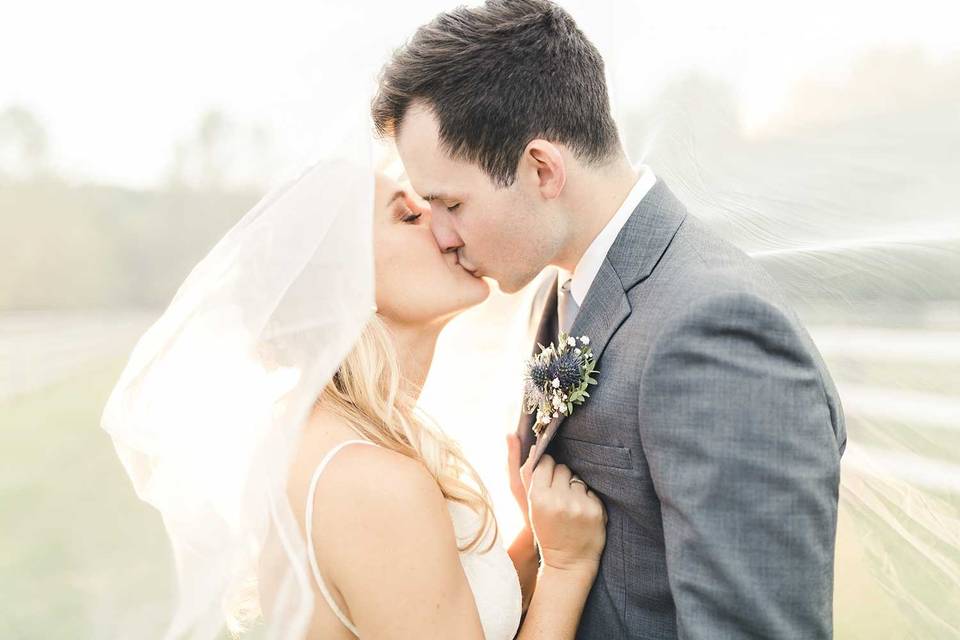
[371, 394]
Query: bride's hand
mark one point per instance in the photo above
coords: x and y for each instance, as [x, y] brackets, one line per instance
[567, 518]
[517, 487]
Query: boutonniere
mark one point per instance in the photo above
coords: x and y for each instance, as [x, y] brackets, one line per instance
[557, 378]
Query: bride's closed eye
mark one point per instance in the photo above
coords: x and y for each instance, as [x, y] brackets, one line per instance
[407, 215]
[402, 210]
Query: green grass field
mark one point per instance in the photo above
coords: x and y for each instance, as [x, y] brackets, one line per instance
[83, 557]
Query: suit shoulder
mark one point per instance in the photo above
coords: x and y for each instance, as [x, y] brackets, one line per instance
[699, 265]
[733, 306]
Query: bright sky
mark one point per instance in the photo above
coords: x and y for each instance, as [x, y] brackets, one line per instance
[118, 83]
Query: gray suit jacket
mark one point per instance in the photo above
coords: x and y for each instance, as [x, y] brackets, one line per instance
[713, 437]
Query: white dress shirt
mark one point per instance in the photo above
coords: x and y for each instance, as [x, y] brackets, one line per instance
[589, 265]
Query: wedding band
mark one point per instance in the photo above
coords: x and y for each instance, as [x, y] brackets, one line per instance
[577, 480]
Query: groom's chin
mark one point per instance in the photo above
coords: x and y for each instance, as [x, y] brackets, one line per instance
[505, 286]
[490, 282]
[509, 286]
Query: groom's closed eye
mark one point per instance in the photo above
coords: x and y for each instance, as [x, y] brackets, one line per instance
[449, 203]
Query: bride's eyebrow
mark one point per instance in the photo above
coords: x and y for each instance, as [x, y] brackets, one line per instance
[399, 194]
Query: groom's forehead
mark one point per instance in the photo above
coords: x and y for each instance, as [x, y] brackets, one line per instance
[421, 118]
[433, 172]
[419, 131]
[422, 151]
[440, 178]
[422, 155]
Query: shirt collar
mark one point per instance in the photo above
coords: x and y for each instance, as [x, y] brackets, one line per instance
[590, 262]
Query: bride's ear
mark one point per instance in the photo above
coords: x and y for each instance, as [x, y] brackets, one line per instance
[543, 163]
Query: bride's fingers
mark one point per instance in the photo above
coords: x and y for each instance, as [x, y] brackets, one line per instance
[526, 471]
[513, 451]
[561, 476]
[593, 497]
[577, 484]
[513, 454]
[543, 474]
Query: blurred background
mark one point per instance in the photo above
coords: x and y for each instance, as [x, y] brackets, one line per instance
[821, 137]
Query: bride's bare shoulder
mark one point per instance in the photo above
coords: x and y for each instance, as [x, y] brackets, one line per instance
[376, 473]
[386, 543]
[388, 509]
[361, 474]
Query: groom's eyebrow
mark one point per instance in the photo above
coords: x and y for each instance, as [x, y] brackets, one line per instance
[430, 197]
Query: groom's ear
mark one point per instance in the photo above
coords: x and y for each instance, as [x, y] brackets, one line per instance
[542, 164]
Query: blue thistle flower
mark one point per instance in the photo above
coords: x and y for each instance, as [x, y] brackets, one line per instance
[539, 375]
[566, 368]
[556, 379]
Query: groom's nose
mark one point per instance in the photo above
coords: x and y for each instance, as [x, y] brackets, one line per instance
[446, 236]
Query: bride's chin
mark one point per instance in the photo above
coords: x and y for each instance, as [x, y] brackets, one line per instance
[474, 293]
[482, 287]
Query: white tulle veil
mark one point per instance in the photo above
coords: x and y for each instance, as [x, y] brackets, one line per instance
[209, 409]
[850, 203]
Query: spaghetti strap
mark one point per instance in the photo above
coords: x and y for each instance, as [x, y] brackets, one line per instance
[309, 524]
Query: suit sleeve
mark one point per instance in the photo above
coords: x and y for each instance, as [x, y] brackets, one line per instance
[737, 431]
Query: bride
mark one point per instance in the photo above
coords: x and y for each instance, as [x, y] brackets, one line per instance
[393, 560]
[270, 417]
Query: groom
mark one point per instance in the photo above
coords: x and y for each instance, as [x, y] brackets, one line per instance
[714, 433]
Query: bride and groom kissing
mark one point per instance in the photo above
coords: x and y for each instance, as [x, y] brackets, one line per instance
[684, 487]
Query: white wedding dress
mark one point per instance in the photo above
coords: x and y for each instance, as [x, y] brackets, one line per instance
[492, 576]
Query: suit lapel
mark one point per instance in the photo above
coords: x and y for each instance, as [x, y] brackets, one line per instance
[631, 259]
[604, 310]
[546, 333]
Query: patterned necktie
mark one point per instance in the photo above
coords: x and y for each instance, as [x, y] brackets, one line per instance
[566, 307]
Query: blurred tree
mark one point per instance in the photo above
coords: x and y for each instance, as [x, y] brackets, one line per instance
[821, 194]
[222, 154]
[23, 144]
[80, 247]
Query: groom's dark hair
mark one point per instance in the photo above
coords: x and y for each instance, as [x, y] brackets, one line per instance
[498, 76]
